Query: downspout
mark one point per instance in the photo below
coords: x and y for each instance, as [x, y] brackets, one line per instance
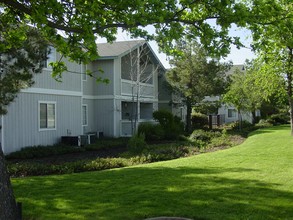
[81, 98]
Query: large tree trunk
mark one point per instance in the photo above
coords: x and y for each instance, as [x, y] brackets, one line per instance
[8, 209]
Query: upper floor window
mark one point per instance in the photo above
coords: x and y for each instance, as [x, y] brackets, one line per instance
[47, 115]
[51, 57]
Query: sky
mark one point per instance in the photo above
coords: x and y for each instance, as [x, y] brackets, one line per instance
[237, 56]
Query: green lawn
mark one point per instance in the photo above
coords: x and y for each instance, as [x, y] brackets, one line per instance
[250, 181]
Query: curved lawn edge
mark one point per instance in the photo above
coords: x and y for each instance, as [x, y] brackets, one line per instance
[250, 181]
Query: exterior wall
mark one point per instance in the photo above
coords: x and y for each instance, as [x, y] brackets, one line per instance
[147, 100]
[20, 127]
[91, 117]
[170, 101]
[105, 70]
[89, 83]
[70, 80]
[108, 72]
[246, 116]
[21, 124]
[104, 120]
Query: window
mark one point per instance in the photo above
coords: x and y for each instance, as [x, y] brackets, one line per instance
[84, 115]
[83, 72]
[231, 113]
[51, 57]
[47, 111]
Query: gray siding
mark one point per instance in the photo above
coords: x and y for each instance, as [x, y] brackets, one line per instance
[92, 125]
[164, 92]
[90, 83]
[104, 111]
[108, 72]
[21, 124]
[71, 80]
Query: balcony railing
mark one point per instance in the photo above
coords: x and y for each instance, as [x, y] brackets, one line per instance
[146, 90]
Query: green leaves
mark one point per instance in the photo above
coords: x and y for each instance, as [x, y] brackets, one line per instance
[194, 75]
[22, 53]
[249, 90]
[82, 21]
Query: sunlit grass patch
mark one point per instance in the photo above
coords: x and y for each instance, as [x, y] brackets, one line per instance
[250, 181]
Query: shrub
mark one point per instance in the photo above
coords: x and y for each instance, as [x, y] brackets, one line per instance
[172, 125]
[281, 118]
[244, 125]
[43, 151]
[37, 169]
[151, 131]
[204, 135]
[199, 120]
[222, 141]
[264, 123]
[164, 117]
[137, 143]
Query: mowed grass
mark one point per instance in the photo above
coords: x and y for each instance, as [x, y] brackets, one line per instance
[251, 181]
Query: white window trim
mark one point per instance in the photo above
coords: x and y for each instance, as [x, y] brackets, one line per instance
[87, 117]
[53, 51]
[83, 74]
[39, 115]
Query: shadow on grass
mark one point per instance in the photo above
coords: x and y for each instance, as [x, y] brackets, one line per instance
[141, 192]
[270, 130]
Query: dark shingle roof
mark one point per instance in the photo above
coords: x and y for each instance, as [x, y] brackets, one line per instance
[117, 48]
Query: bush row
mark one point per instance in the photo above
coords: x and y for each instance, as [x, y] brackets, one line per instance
[59, 149]
[43, 151]
[152, 154]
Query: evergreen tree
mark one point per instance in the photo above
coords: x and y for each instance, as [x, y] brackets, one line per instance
[195, 75]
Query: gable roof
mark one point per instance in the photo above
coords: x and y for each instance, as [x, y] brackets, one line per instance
[120, 48]
[117, 48]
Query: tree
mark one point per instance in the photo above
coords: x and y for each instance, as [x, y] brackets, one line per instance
[82, 21]
[273, 40]
[21, 57]
[251, 88]
[195, 75]
[140, 71]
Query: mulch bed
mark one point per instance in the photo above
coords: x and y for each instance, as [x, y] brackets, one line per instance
[102, 153]
[71, 157]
